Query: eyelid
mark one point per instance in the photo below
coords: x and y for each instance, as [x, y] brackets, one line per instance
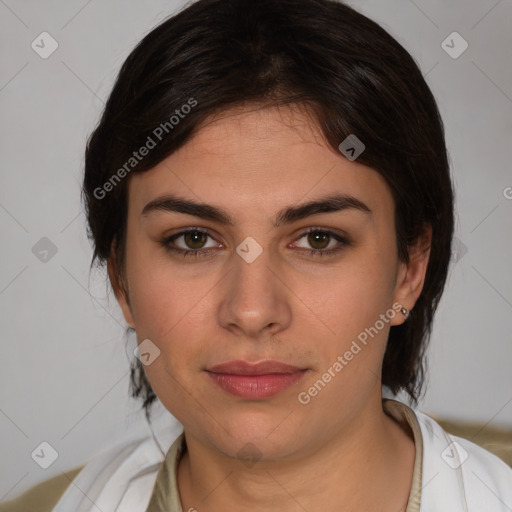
[192, 229]
[331, 231]
[339, 236]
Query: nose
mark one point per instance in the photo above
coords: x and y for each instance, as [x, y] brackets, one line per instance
[255, 299]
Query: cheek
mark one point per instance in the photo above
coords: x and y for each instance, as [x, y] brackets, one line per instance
[361, 291]
[167, 310]
[159, 299]
[345, 297]
[171, 316]
[157, 303]
[175, 310]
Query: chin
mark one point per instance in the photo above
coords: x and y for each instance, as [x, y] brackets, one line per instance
[263, 433]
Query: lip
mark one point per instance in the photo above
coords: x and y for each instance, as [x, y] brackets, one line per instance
[246, 368]
[255, 381]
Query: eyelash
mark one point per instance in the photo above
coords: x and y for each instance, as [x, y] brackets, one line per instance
[205, 252]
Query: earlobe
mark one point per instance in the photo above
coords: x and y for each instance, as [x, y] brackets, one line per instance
[120, 291]
[411, 276]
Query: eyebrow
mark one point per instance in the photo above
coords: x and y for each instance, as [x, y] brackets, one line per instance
[328, 204]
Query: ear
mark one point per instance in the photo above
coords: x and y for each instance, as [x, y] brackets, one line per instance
[411, 276]
[120, 289]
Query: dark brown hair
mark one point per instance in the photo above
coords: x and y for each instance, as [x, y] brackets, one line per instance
[322, 54]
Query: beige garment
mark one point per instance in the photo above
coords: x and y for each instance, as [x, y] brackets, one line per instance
[43, 496]
[166, 496]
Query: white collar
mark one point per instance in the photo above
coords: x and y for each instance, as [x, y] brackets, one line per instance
[457, 475]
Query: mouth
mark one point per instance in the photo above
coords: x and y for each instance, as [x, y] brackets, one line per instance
[255, 381]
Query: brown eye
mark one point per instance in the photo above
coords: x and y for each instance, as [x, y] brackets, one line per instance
[318, 239]
[195, 239]
[321, 242]
[191, 242]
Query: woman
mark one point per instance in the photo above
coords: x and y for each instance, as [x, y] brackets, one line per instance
[269, 188]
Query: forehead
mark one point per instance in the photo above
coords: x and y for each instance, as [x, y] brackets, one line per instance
[296, 122]
[257, 159]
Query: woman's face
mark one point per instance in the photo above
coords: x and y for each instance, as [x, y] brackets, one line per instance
[255, 292]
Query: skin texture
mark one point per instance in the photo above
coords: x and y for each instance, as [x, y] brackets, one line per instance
[287, 305]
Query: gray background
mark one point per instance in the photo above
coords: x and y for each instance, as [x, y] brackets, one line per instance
[64, 365]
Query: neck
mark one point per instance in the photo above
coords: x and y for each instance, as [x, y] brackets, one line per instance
[368, 463]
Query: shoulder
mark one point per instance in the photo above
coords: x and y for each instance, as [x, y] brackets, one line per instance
[44, 496]
[119, 478]
[461, 473]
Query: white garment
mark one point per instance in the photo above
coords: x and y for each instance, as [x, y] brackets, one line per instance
[457, 476]
[120, 479]
[460, 476]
